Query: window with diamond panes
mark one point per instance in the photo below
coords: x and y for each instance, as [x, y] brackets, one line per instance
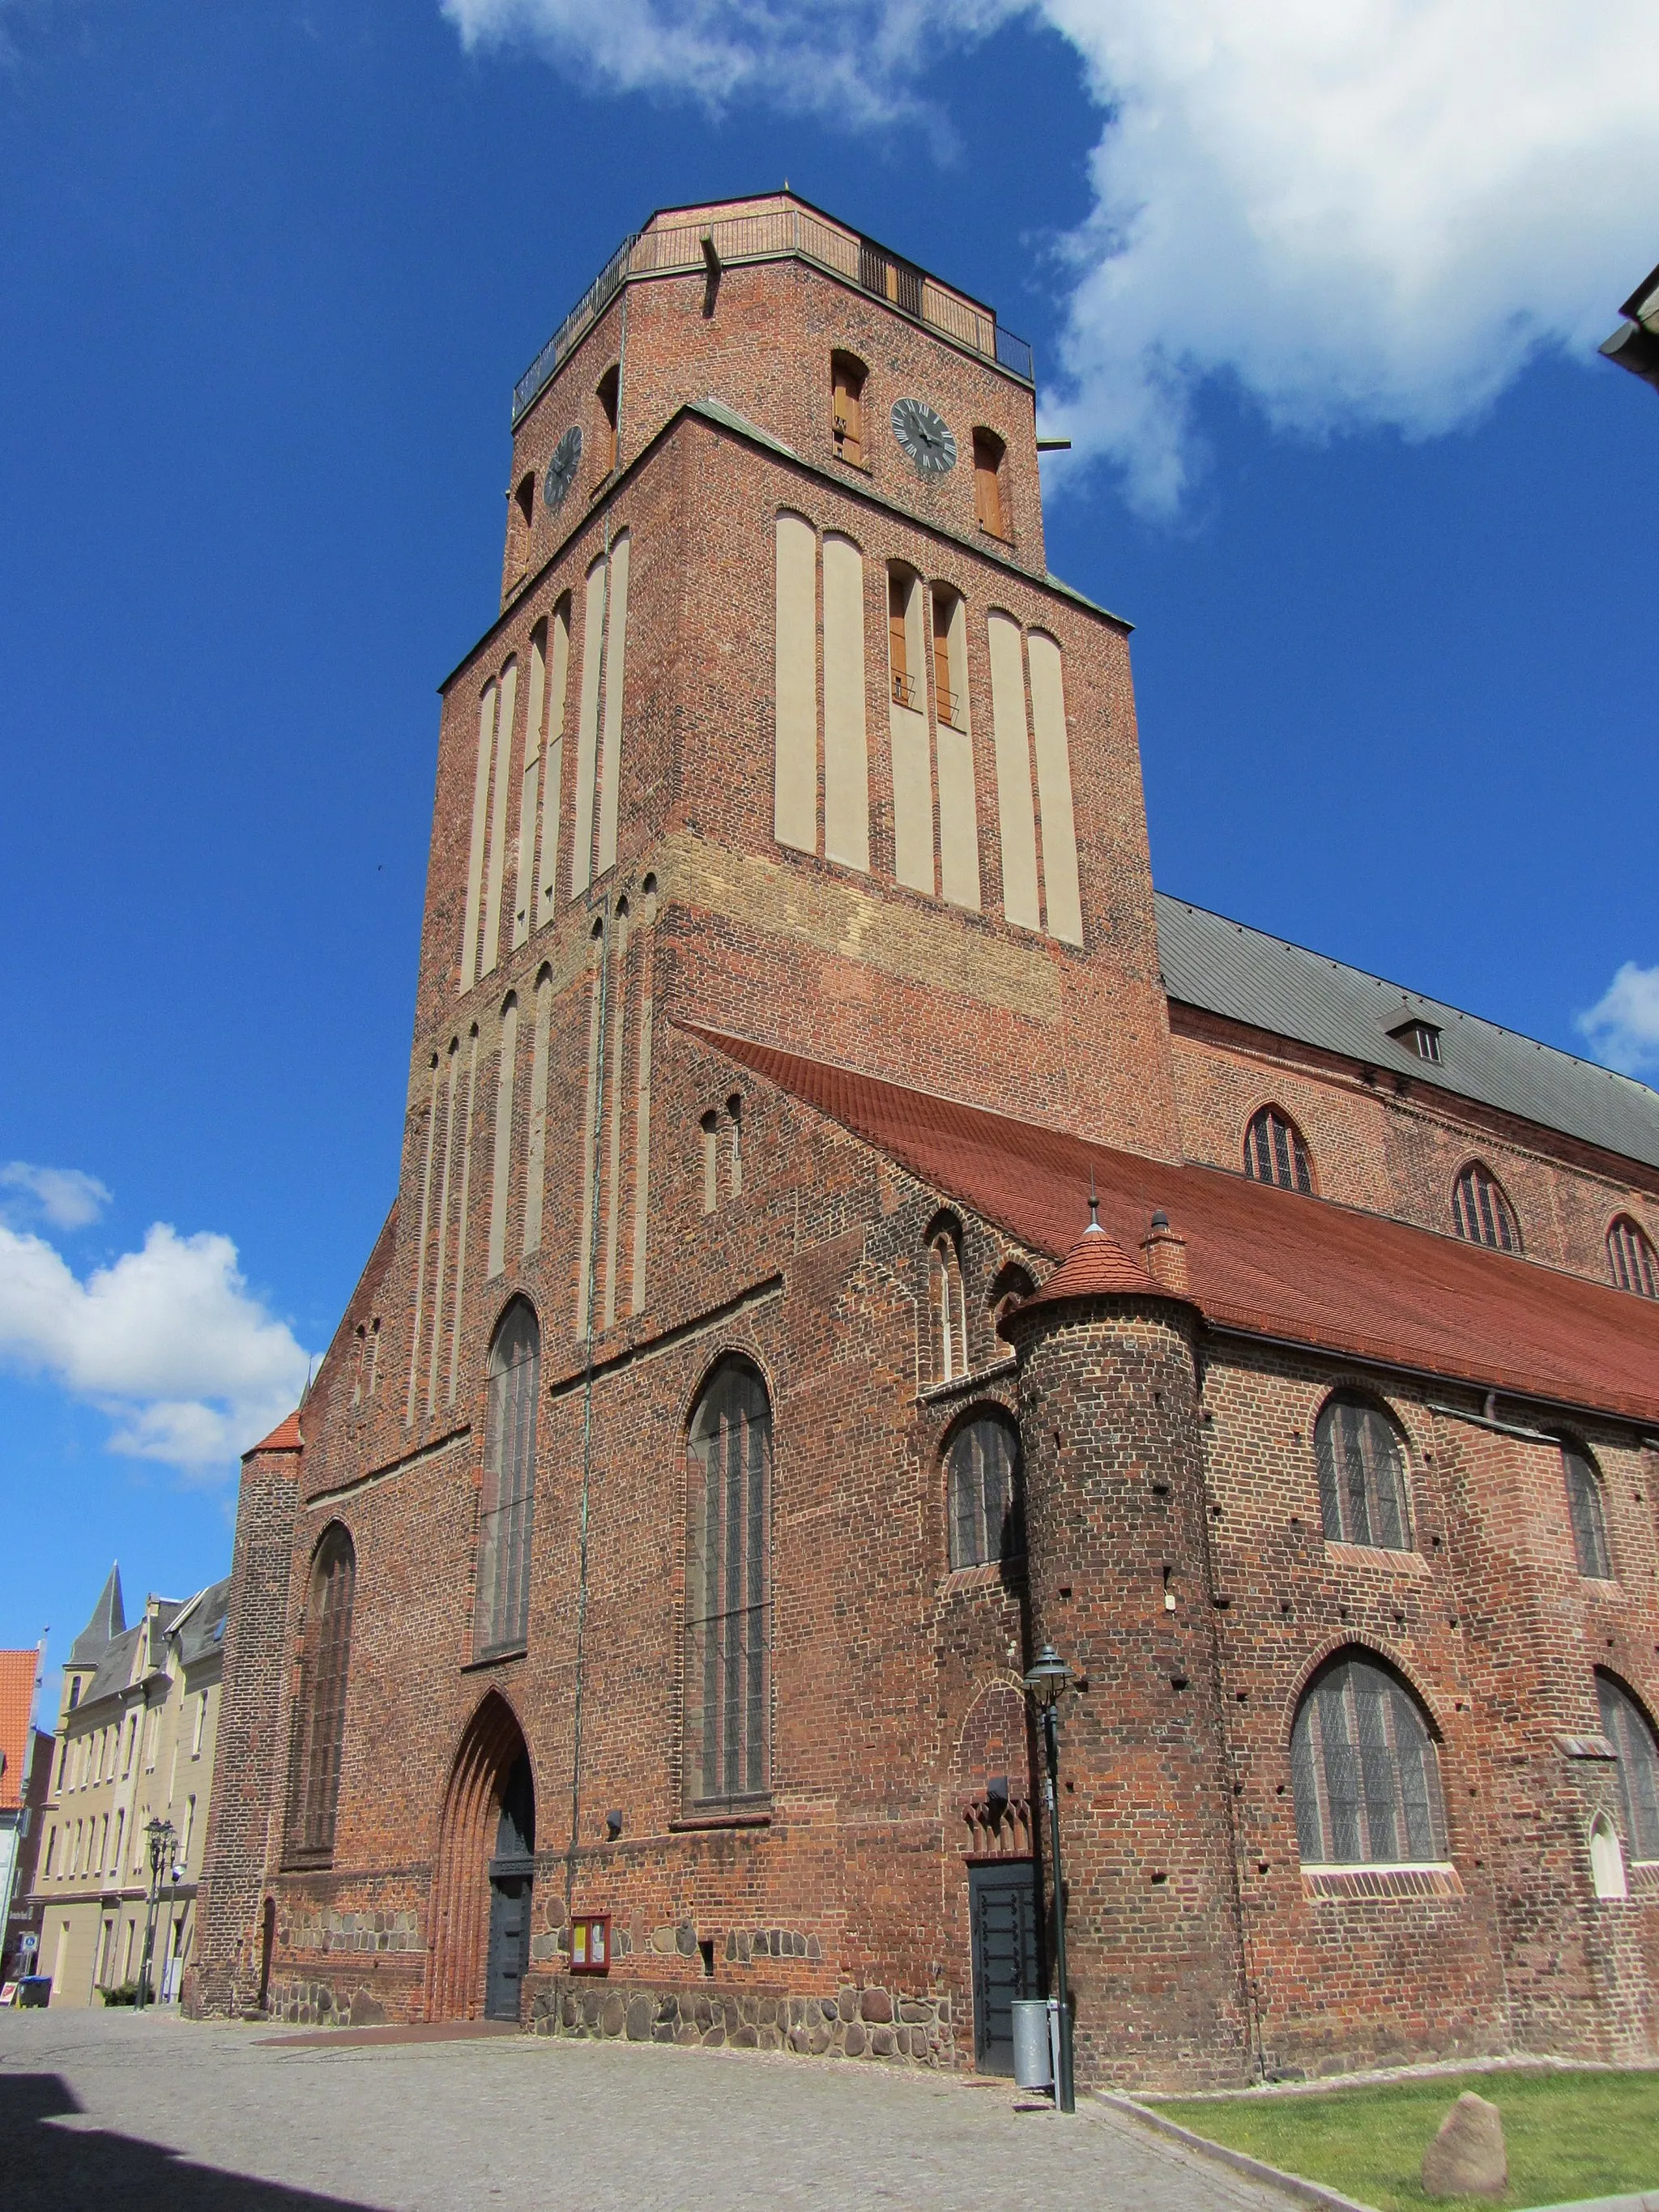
[728, 1485]
[1365, 1770]
[985, 1522]
[1589, 1528]
[1481, 1213]
[1274, 1151]
[1631, 1258]
[501, 1618]
[1625, 1728]
[1362, 1475]
[320, 1704]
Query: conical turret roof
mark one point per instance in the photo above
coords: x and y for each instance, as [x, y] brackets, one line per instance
[108, 1621]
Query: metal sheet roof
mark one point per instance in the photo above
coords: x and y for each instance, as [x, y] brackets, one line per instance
[1248, 976]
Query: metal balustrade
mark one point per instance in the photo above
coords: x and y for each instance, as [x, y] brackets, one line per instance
[779, 233]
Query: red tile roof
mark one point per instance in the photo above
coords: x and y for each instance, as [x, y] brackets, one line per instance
[17, 1671]
[1265, 1262]
[284, 1437]
[1093, 1266]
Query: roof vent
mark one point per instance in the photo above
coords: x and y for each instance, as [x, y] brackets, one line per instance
[1419, 1037]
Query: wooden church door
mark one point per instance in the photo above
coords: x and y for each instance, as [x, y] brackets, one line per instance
[510, 1881]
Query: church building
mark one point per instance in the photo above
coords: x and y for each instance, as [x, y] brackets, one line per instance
[852, 1232]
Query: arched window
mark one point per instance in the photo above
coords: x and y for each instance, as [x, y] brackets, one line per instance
[608, 396]
[950, 1306]
[1635, 1266]
[1362, 1475]
[728, 1485]
[502, 1615]
[985, 1521]
[987, 483]
[320, 1702]
[1480, 1212]
[1627, 1729]
[847, 407]
[1363, 1768]
[1274, 1151]
[1589, 1528]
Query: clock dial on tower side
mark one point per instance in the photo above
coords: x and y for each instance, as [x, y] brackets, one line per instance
[562, 469]
[925, 437]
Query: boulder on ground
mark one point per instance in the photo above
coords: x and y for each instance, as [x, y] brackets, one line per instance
[1468, 2157]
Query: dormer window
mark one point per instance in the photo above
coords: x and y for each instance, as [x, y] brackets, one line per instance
[1419, 1037]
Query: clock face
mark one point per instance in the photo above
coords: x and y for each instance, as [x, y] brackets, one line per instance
[562, 469]
[925, 436]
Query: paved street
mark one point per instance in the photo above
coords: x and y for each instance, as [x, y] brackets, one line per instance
[100, 2108]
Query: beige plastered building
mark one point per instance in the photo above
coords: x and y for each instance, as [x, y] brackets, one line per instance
[136, 1728]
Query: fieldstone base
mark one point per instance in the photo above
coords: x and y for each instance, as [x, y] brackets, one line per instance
[320, 2004]
[871, 2023]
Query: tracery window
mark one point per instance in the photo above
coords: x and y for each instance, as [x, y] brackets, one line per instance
[1589, 1528]
[1480, 1212]
[320, 1704]
[1634, 1263]
[1365, 1770]
[986, 1520]
[1274, 1151]
[1627, 1729]
[728, 1599]
[1362, 1474]
[502, 1615]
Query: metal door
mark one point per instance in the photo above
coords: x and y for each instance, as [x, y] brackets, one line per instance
[509, 1945]
[1006, 1962]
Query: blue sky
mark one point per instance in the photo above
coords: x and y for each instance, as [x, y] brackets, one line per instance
[1320, 322]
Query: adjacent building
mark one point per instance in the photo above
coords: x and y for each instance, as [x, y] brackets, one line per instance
[628, 1637]
[1635, 344]
[136, 1730]
[25, 1773]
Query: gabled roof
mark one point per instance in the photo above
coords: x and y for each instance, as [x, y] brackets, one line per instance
[200, 1627]
[1261, 1260]
[18, 1671]
[1248, 976]
[108, 1619]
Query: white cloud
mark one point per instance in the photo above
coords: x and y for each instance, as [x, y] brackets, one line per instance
[168, 1340]
[1368, 212]
[1623, 1025]
[66, 1198]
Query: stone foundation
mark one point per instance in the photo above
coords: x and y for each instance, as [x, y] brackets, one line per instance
[870, 2023]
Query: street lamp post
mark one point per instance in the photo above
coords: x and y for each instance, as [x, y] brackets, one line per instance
[1048, 1677]
[161, 1838]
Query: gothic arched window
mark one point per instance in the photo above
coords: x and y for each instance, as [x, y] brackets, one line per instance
[949, 1303]
[985, 1521]
[501, 1619]
[1480, 1213]
[320, 1702]
[728, 1599]
[1627, 1729]
[1365, 1770]
[1589, 1528]
[1274, 1151]
[1362, 1474]
[1635, 1266]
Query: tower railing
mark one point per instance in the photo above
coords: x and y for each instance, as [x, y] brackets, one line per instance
[776, 234]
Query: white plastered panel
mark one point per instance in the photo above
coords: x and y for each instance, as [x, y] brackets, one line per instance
[846, 738]
[480, 821]
[1015, 814]
[492, 932]
[795, 687]
[547, 889]
[587, 732]
[536, 706]
[535, 1169]
[501, 1163]
[958, 811]
[616, 645]
[913, 768]
[1062, 900]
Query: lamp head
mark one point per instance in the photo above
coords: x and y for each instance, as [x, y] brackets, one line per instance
[1049, 1674]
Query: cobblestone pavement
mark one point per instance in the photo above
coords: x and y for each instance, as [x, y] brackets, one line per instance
[100, 2108]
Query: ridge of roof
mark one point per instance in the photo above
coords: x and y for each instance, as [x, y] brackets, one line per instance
[1247, 975]
[1261, 1261]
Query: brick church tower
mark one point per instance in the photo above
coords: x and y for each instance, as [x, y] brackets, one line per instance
[626, 1635]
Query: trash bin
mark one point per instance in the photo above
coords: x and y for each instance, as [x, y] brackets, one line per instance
[1033, 2060]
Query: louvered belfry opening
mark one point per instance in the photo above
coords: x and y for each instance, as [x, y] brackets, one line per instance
[507, 1523]
[728, 1485]
[319, 1703]
[481, 1786]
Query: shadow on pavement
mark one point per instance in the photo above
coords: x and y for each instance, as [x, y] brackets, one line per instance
[89, 2170]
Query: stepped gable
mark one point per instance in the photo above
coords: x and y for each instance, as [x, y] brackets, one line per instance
[1264, 1261]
